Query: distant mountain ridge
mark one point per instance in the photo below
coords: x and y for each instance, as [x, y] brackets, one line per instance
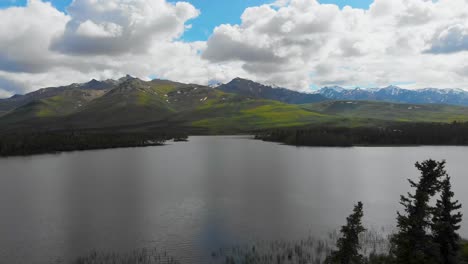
[391, 93]
[131, 104]
[256, 90]
[253, 89]
[239, 106]
[398, 95]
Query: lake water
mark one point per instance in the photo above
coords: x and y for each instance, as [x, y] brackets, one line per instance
[191, 198]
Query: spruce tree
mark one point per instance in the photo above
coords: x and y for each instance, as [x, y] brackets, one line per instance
[413, 244]
[446, 224]
[348, 244]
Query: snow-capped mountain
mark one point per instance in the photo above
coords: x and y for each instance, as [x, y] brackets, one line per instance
[397, 94]
[391, 93]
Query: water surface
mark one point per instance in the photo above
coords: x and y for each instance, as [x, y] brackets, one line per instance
[190, 198]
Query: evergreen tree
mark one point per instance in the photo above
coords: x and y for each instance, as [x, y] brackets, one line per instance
[446, 224]
[413, 244]
[348, 245]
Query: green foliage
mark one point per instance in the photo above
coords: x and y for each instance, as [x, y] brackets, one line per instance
[348, 245]
[446, 224]
[413, 244]
[50, 142]
[392, 134]
[379, 259]
[464, 251]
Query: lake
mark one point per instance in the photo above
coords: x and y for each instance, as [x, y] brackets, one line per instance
[191, 198]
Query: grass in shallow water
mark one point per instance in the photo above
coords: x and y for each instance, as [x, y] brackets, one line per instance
[142, 256]
[309, 250]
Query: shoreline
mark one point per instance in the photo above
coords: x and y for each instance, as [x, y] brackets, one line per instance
[247, 136]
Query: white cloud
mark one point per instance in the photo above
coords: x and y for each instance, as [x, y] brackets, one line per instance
[25, 36]
[103, 27]
[103, 30]
[292, 43]
[40, 46]
[322, 44]
[450, 39]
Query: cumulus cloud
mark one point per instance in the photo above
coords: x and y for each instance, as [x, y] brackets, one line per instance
[103, 30]
[321, 44]
[25, 36]
[450, 39]
[41, 46]
[291, 43]
[225, 47]
[115, 27]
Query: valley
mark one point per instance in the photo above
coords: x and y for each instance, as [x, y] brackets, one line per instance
[240, 106]
[130, 106]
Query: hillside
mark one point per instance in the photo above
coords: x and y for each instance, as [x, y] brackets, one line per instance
[131, 104]
[136, 104]
[58, 104]
[132, 101]
[93, 87]
[239, 115]
[391, 111]
[256, 90]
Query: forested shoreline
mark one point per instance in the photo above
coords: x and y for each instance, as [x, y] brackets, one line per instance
[30, 143]
[399, 134]
[392, 135]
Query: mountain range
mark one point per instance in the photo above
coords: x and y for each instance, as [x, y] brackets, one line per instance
[257, 90]
[391, 93]
[240, 106]
[398, 95]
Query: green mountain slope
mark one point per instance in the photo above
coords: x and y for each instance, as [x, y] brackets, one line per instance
[16, 101]
[240, 114]
[63, 104]
[133, 101]
[133, 104]
[391, 111]
[138, 102]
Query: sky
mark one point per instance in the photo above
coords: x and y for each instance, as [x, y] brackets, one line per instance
[298, 44]
[212, 12]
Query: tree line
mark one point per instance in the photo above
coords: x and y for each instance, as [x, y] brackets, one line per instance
[398, 134]
[28, 143]
[426, 232]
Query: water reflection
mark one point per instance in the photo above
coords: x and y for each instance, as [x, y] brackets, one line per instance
[190, 198]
